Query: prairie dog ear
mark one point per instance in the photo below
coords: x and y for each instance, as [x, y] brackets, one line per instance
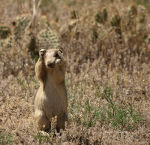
[42, 52]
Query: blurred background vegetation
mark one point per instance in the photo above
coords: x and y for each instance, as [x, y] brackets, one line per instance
[107, 47]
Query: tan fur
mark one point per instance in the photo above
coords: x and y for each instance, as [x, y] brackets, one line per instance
[51, 98]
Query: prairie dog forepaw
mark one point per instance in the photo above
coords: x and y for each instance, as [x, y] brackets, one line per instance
[60, 53]
[42, 52]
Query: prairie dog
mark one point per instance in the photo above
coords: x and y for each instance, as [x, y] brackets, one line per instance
[51, 97]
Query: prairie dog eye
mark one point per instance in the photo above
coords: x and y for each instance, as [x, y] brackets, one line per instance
[14, 23]
[57, 55]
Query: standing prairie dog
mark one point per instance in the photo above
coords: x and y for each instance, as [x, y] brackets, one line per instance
[51, 97]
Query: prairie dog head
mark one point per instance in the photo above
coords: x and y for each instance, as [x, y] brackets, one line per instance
[52, 57]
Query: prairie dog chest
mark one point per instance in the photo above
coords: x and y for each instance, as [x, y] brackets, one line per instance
[55, 98]
[53, 91]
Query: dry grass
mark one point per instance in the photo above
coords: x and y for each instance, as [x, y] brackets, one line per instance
[107, 47]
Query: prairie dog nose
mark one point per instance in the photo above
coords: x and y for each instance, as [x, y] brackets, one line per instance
[51, 64]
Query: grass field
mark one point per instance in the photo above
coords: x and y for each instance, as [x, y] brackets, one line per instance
[107, 46]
